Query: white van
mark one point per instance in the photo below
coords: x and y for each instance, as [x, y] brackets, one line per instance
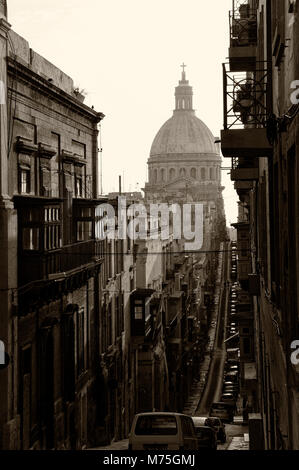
[162, 431]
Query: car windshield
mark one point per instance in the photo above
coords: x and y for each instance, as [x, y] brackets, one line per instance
[156, 425]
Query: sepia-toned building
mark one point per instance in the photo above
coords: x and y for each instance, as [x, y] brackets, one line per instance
[51, 260]
[260, 135]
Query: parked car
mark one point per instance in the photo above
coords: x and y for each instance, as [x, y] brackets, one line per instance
[229, 383]
[206, 437]
[162, 431]
[231, 377]
[233, 353]
[222, 410]
[212, 422]
[228, 397]
[219, 427]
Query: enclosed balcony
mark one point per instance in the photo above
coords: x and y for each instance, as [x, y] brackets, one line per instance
[244, 169]
[245, 98]
[144, 308]
[42, 255]
[46, 265]
[243, 36]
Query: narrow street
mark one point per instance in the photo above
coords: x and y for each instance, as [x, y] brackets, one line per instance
[207, 387]
[235, 432]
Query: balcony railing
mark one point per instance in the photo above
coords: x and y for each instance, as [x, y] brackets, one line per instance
[243, 24]
[244, 169]
[243, 35]
[245, 97]
[245, 110]
[41, 266]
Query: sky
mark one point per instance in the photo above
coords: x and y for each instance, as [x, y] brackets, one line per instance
[126, 56]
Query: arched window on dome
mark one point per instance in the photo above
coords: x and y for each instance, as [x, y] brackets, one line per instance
[203, 174]
[193, 173]
[182, 172]
[155, 175]
[171, 174]
[211, 174]
[162, 175]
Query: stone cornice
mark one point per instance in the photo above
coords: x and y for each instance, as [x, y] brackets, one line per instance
[23, 72]
[4, 27]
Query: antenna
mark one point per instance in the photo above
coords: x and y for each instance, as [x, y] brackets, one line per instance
[101, 161]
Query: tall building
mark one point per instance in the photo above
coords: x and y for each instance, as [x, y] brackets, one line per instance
[50, 259]
[261, 136]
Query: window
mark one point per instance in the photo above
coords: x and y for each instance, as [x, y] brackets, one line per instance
[25, 180]
[45, 181]
[31, 238]
[172, 174]
[85, 224]
[193, 173]
[138, 310]
[78, 186]
[80, 341]
[84, 231]
[158, 425]
[52, 228]
[203, 173]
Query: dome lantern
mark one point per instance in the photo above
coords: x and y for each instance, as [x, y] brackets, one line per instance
[183, 94]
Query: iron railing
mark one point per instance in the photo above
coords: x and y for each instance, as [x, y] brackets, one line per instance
[245, 97]
[243, 23]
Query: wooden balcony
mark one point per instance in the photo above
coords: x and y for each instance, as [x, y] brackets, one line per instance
[244, 269]
[243, 36]
[243, 185]
[251, 142]
[244, 174]
[242, 58]
[34, 266]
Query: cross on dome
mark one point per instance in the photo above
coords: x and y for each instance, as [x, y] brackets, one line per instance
[183, 72]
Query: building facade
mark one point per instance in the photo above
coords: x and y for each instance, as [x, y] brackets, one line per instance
[51, 261]
[261, 136]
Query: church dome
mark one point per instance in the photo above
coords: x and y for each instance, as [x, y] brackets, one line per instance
[183, 133]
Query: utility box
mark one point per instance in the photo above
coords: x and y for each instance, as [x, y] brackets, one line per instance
[256, 432]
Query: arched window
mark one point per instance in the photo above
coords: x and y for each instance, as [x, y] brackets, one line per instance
[155, 175]
[211, 173]
[193, 173]
[162, 174]
[203, 173]
[171, 174]
[182, 172]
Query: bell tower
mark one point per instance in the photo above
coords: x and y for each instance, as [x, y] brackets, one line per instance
[183, 94]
